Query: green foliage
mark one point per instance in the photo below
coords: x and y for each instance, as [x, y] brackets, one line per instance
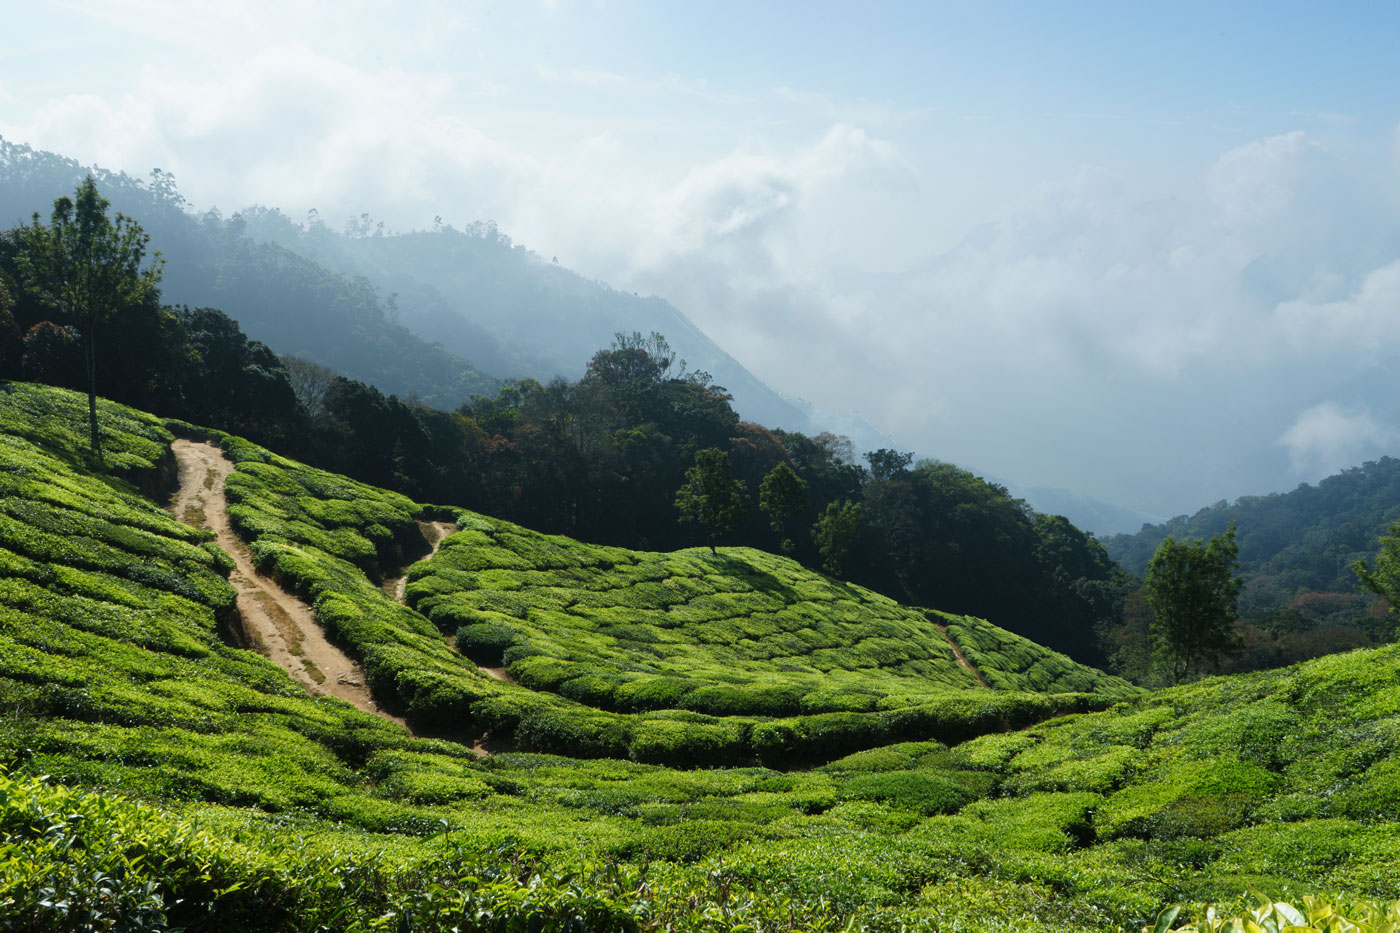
[1008, 661]
[835, 532]
[826, 668]
[1301, 553]
[269, 809]
[90, 267]
[1381, 575]
[783, 495]
[1317, 914]
[710, 496]
[1192, 588]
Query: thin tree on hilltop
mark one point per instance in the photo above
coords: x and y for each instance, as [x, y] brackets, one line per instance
[90, 267]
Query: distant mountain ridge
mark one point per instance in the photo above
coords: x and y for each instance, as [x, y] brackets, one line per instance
[1102, 518]
[515, 313]
[1306, 538]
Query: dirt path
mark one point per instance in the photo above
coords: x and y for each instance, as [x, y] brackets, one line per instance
[962, 658]
[282, 625]
[500, 673]
[434, 533]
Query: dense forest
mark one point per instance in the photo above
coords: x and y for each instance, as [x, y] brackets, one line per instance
[1300, 598]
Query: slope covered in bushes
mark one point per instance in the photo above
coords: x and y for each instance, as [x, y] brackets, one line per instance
[683, 658]
[157, 777]
[741, 632]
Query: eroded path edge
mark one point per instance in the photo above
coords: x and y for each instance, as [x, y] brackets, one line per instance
[282, 626]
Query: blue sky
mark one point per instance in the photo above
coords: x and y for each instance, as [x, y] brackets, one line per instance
[1146, 252]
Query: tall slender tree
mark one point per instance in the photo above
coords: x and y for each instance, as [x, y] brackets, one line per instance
[835, 532]
[90, 266]
[783, 495]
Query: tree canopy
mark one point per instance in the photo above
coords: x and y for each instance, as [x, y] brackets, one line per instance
[710, 496]
[783, 496]
[90, 267]
[1192, 588]
[835, 532]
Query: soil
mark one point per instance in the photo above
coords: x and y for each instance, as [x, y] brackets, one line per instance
[434, 533]
[962, 658]
[500, 673]
[279, 624]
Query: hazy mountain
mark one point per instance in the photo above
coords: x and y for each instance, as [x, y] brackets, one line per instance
[289, 302]
[515, 313]
[1102, 518]
[404, 312]
[512, 311]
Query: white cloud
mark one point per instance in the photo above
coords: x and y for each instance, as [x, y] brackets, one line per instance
[1326, 438]
[1366, 323]
[1254, 183]
[1142, 343]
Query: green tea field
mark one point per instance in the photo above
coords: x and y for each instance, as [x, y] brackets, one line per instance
[600, 739]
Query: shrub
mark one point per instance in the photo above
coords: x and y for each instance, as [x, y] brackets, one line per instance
[687, 842]
[687, 744]
[909, 790]
[487, 642]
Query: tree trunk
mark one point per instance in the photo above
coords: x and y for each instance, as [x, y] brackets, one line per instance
[90, 345]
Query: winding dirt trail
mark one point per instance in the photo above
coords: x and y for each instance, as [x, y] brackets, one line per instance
[962, 658]
[282, 625]
[434, 533]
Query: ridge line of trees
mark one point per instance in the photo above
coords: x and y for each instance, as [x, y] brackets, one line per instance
[600, 458]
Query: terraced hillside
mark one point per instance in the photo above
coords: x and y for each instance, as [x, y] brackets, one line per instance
[684, 658]
[155, 777]
[738, 633]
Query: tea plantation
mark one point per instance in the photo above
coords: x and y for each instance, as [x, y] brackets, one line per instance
[685, 659]
[695, 742]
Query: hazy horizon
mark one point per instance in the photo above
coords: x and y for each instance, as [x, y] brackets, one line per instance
[1148, 256]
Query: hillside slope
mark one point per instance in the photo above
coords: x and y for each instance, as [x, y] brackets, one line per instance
[741, 632]
[884, 672]
[281, 298]
[276, 810]
[331, 539]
